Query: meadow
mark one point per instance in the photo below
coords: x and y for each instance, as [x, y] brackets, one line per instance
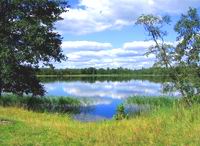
[166, 125]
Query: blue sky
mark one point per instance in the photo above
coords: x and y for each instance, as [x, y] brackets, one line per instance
[101, 33]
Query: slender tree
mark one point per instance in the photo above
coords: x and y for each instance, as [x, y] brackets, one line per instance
[181, 58]
[154, 26]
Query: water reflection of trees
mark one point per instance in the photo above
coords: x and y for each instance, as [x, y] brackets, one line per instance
[93, 79]
[187, 82]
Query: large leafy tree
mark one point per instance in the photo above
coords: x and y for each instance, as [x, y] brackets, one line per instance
[27, 38]
[187, 53]
[188, 29]
[183, 58]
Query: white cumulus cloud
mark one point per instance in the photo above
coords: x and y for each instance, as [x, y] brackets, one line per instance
[103, 55]
[84, 45]
[98, 15]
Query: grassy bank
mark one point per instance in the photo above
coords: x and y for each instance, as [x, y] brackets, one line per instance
[166, 126]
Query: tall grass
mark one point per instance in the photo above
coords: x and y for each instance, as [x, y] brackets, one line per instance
[153, 101]
[42, 104]
[167, 126]
[170, 124]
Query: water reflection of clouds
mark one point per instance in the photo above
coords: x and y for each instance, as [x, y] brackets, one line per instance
[50, 87]
[97, 101]
[111, 90]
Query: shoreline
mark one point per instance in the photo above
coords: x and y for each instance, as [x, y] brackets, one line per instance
[111, 75]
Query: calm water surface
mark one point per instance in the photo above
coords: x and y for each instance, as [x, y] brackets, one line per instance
[104, 94]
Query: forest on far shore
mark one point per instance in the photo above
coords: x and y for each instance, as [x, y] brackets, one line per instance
[110, 71]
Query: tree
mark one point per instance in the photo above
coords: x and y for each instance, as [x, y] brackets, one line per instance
[27, 38]
[188, 29]
[154, 26]
[181, 58]
[187, 53]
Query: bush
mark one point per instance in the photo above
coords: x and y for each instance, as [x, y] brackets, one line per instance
[120, 114]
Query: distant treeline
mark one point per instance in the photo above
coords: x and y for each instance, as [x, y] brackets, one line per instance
[102, 71]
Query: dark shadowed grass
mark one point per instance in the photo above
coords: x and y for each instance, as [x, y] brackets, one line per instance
[42, 104]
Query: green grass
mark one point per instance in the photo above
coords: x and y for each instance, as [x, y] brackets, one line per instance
[166, 126]
[153, 101]
[162, 101]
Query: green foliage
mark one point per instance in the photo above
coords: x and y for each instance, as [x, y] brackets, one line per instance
[84, 71]
[181, 58]
[188, 29]
[101, 71]
[188, 54]
[120, 113]
[23, 81]
[68, 101]
[27, 37]
[153, 101]
[154, 26]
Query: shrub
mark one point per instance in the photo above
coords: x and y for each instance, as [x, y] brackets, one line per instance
[120, 114]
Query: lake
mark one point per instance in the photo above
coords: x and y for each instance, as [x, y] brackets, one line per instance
[105, 93]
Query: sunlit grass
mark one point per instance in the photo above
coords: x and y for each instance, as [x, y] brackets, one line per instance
[153, 101]
[166, 126]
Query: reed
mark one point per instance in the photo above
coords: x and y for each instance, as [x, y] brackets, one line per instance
[161, 101]
[42, 104]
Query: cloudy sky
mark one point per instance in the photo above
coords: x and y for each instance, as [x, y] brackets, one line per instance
[101, 33]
